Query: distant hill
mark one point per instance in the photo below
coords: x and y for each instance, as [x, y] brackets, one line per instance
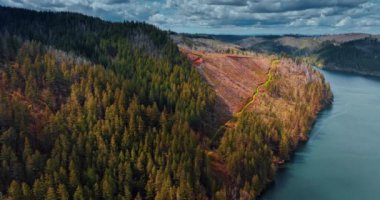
[355, 52]
[361, 56]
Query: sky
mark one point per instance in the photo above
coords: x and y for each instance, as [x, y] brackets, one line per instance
[239, 17]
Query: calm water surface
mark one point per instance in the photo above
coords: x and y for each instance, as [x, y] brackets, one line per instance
[342, 158]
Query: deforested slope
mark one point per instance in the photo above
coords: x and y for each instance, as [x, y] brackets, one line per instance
[267, 105]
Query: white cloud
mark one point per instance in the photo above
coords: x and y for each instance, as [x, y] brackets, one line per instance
[157, 18]
[312, 22]
[343, 22]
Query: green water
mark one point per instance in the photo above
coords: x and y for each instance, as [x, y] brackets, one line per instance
[342, 158]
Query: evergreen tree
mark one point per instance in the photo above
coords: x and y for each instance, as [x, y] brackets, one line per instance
[26, 192]
[284, 147]
[62, 192]
[14, 191]
[50, 194]
[108, 187]
[31, 87]
[79, 194]
[39, 189]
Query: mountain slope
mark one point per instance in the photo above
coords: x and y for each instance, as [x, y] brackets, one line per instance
[265, 106]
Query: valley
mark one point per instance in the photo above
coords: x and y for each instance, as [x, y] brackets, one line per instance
[110, 109]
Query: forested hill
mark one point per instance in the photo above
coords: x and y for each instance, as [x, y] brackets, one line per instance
[359, 56]
[97, 110]
[87, 36]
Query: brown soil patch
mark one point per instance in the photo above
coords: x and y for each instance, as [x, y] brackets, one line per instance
[233, 77]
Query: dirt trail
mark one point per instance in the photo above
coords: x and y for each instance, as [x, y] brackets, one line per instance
[258, 88]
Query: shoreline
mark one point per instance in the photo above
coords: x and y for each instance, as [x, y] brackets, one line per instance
[352, 71]
[327, 104]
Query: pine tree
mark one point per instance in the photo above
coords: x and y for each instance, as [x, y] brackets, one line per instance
[150, 190]
[50, 194]
[256, 184]
[26, 192]
[221, 194]
[127, 192]
[62, 192]
[184, 191]
[284, 147]
[78, 194]
[73, 176]
[163, 192]
[108, 187]
[14, 191]
[27, 149]
[38, 189]
[31, 87]
[138, 197]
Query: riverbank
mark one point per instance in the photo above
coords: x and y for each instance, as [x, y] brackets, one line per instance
[325, 104]
[353, 71]
[339, 161]
[282, 164]
[273, 125]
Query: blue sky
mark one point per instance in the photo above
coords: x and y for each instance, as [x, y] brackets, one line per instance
[229, 16]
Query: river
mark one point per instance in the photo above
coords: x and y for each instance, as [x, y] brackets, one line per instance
[341, 160]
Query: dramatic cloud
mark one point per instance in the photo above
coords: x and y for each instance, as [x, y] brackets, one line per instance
[228, 2]
[298, 5]
[229, 16]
